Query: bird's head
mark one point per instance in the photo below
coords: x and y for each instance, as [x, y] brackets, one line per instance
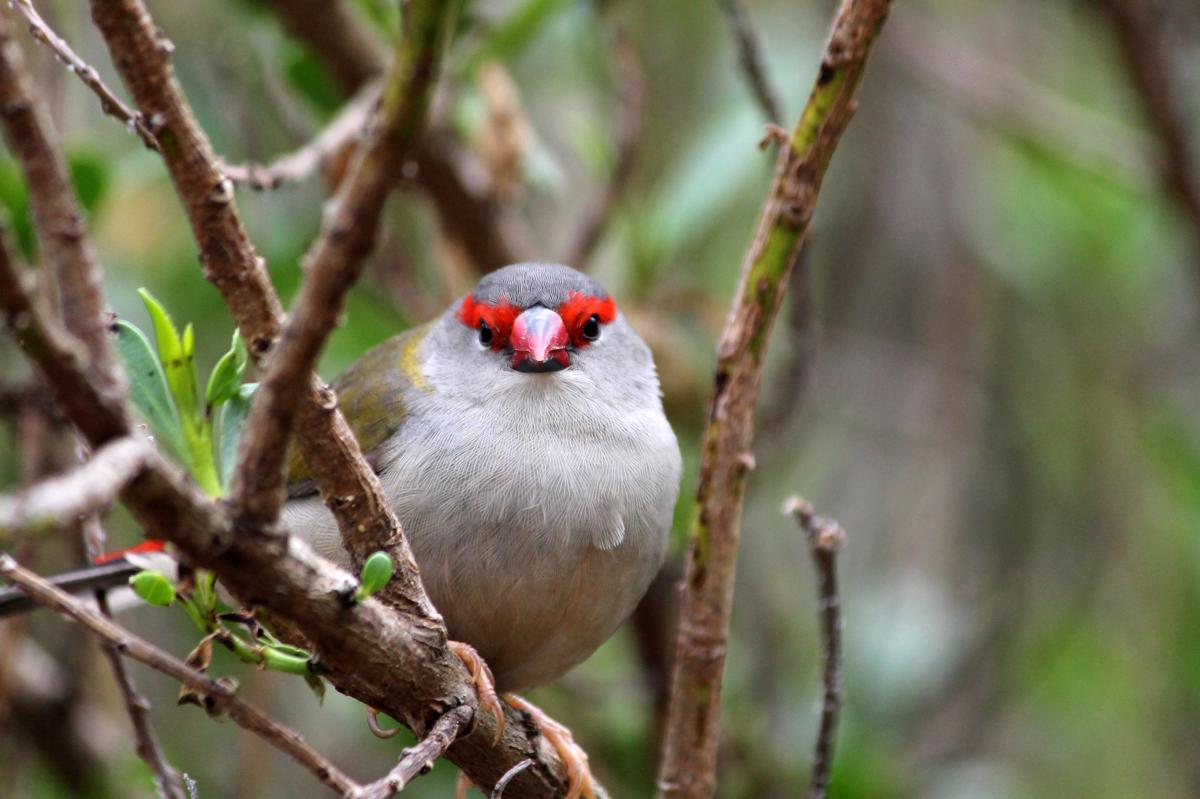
[541, 325]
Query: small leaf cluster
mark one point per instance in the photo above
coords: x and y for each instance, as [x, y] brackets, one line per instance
[253, 643]
[163, 386]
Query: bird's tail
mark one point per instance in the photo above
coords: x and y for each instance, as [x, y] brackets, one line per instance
[112, 570]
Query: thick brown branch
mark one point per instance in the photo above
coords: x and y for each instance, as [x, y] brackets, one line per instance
[89, 489]
[689, 752]
[58, 219]
[419, 758]
[825, 539]
[100, 415]
[141, 53]
[220, 695]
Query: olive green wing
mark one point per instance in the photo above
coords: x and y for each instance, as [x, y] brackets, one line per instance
[371, 396]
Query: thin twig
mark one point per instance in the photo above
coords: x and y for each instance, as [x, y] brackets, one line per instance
[109, 102]
[750, 58]
[690, 749]
[509, 776]
[627, 134]
[825, 539]
[220, 694]
[137, 706]
[89, 489]
[418, 759]
[303, 162]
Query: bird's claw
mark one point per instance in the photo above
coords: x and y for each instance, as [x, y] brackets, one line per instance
[579, 774]
[373, 725]
[485, 684]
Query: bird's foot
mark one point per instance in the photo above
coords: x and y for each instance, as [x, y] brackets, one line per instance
[373, 724]
[579, 774]
[485, 684]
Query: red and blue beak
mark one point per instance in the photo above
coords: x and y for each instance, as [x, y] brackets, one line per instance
[539, 341]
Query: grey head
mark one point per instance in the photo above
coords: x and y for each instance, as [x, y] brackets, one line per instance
[541, 327]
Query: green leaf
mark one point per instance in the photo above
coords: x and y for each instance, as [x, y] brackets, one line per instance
[375, 575]
[226, 375]
[232, 420]
[148, 387]
[153, 587]
[175, 356]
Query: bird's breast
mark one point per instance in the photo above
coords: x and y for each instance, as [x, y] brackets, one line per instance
[536, 532]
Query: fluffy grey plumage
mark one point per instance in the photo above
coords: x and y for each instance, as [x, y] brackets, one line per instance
[537, 505]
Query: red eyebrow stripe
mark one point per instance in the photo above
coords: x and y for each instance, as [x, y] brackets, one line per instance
[499, 317]
[580, 307]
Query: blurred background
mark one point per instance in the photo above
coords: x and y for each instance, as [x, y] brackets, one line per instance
[987, 371]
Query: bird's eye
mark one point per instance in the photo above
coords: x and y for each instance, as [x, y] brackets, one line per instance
[485, 334]
[591, 328]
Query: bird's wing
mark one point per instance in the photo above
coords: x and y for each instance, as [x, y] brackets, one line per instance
[371, 396]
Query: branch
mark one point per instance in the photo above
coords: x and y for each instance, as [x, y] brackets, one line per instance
[825, 539]
[689, 752]
[418, 759]
[397, 662]
[77, 279]
[109, 102]
[86, 490]
[369, 651]
[1146, 59]
[301, 163]
[630, 115]
[141, 54]
[749, 48]
[220, 694]
[333, 264]
[57, 217]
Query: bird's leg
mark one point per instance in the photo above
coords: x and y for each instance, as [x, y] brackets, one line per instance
[461, 787]
[579, 775]
[485, 684]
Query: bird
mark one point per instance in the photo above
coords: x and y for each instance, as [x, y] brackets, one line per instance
[520, 438]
